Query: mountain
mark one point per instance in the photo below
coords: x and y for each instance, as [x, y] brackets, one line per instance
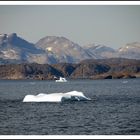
[130, 50]
[17, 50]
[60, 49]
[101, 51]
[54, 49]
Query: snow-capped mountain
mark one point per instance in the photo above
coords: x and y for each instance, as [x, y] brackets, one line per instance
[15, 48]
[101, 51]
[130, 50]
[60, 49]
[54, 49]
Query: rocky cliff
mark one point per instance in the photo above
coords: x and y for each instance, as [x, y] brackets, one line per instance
[93, 69]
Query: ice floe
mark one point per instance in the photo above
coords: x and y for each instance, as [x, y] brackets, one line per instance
[56, 97]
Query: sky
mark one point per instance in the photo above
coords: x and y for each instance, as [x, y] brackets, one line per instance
[110, 25]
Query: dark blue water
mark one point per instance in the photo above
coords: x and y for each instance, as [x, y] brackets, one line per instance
[114, 109]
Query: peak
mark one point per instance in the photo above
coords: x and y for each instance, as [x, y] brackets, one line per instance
[2, 35]
[50, 38]
[62, 37]
[134, 44]
[8, 36]
[54, 40]
[13, 35]
[130, 46]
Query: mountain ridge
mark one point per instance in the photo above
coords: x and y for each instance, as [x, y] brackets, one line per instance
[55, 49]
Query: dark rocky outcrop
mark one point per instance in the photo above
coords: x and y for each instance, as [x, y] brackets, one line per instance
[86, 70]
[28, 71]
[93, 69]
[66, 68]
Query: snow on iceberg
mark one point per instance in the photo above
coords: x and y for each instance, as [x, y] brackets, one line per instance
[56, 97]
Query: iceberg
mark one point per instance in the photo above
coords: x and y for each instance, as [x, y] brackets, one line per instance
[56, 97]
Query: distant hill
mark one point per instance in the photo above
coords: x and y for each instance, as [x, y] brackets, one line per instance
[93, 69]
[28, 71]
[116, 68]
[130, 50]
[101, 51]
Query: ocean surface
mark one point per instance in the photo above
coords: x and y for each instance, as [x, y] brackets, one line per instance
[113, 110]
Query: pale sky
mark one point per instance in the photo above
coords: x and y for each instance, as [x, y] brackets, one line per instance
[113, 26]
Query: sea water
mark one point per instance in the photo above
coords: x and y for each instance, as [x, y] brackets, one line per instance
[114, 108]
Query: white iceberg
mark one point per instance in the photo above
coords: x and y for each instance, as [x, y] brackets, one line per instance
[56, 97]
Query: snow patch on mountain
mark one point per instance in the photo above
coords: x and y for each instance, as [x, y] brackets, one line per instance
[63, 49]
[54, 49]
